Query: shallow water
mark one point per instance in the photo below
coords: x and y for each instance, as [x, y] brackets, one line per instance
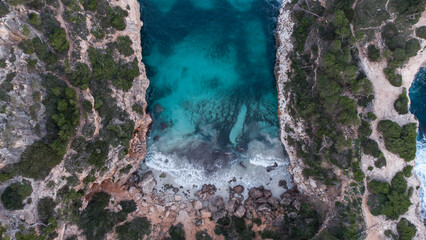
[213, 94]
[417, 95]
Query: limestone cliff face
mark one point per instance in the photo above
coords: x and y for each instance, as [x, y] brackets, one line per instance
[282, 68]
[22, 113]
[126, 100]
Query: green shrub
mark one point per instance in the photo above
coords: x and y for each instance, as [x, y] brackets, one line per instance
[421, 32]
[401, 141]
[128, 206]
[46, 209]
[371, 116]
[137, 107]
[81, 76]
[4, 9]
[372, 148]
[373, 53]
[31, 63]
[124, 45]
[18, 2]
[134, 230]
[27, 46]
[406, 230]
[202, 235]
[176, 232]
[378, 187]
[38, 160]
[43, 52]
[257, 221]
[90, 5]
[87, 106]
[58, 40]
[364, 130]
[408, 171]
[380, 162]
[412, 47]
[117, 18]
[95, 220]
[14, 195]
[391, 202]
[2, 63]
[34, 19]
[401, 104]
[394, 78]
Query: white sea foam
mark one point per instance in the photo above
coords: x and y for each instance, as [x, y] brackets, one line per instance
[420, 170]
[252, 173]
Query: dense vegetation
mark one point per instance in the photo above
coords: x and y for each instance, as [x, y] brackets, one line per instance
[134, 230]
[176, 232]
[373, 53]
[406, 230]
[14, 195]
[401, 104]
[391, 200]
[400, 50]
[234, 227]
[399, 140]
[96, 220]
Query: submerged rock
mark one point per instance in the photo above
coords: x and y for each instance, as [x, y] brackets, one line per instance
[238, 189]
[158, 109]
[283, 183]
[255, 193]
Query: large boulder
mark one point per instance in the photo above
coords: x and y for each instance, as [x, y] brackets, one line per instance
[147, 183]
[255, 193]
[230, 206]
[218, 215]
[241, 210]
[238, 189]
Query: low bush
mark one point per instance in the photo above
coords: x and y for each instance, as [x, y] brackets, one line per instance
[399, 140]
[34, 20]
[421, 32]
[373, 53]
[401, 104]
[391, 202]
[408, 171]
[177, 232]
[58, 40]
[394, 78]
[412, 46]
[46, 209]
[378, 187]
[406, 230]
[124, 45]
[4, 9]
[96, 220]
[134, 230]
[202, 235]
[81, 75]
[38, 160]
[14, 195]
[233, 227]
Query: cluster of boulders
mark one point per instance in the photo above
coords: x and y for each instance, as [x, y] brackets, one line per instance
[244, 203]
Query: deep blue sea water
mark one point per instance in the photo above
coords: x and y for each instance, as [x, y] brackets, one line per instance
[212, 91]
[417, 95]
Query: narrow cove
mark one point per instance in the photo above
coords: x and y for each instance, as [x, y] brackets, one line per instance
[212, 93]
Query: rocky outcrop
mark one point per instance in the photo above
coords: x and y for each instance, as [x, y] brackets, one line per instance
[282, 68]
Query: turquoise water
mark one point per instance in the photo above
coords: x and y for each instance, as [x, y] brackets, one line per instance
[213, 95]
[417, 95]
